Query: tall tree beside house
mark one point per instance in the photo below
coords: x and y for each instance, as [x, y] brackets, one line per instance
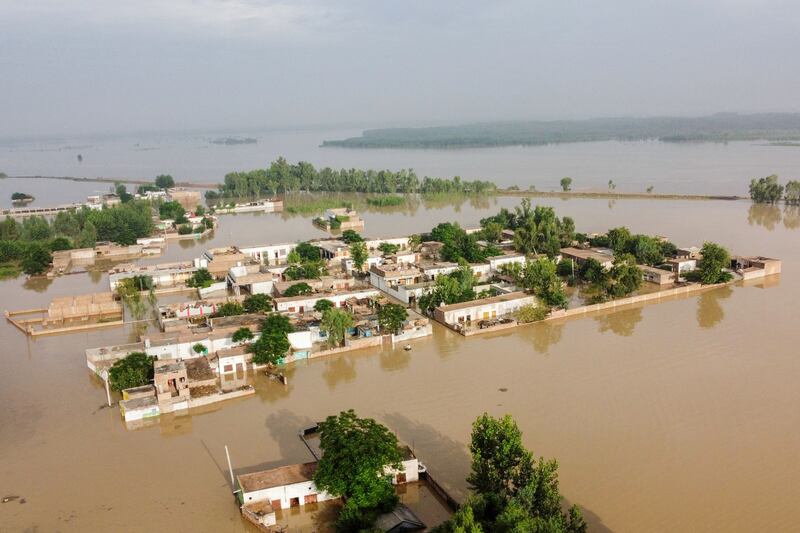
[134, 370]
[298, 289]
[391, 317]
[242, 335]
[257, 303]
[355, 453]
[350, 236]
[273, 342]
[626, 276]
[37, 259]
[323, 305]
[359, 255]
[335, 323]
[715, 260]
[540, 277]
[512, 491]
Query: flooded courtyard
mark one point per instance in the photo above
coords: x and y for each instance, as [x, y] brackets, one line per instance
[682, 415]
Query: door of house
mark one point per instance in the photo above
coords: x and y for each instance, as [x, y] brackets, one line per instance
[310, 498]
[276, 504]
[401, 477]
[294, 502]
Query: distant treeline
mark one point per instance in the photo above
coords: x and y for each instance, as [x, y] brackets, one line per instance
[282, 177]
[720, 127]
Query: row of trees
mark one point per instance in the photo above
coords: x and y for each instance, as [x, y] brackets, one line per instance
[31, 242]
[282, 177]
[769, 191]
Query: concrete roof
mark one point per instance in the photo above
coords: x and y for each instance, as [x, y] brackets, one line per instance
[484, 301]
[277, 477]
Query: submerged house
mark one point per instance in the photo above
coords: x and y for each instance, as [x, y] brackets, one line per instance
[495, 307]
[755, 266]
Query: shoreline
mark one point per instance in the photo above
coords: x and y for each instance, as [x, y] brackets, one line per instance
[599, 195]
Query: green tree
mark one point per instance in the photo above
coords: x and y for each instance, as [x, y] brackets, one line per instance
[766, 190]
[37, 259]
[626, 276]
[172, 211]
[323, 305]
[715, 259]
[355, 454]
[358, 252]
[540, 277]
[201, 279]
[242, 335]
[230, 308]
[273, 342]
[87, 238]
[257, 303]
[792, 192]
[35, 229]
[647, 250]
[134, 370]
[335, 323]
[391, 317]
[60, 243]
[298, 289]
[308, 252]
[293, 258]
[387, 248]
[199, 348]
[500, 463]
[566, 184]
[164, 181]
[350, 236]
[531, 313]
[619, 239]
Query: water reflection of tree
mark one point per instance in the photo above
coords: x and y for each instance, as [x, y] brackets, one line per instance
[37, 284]
[545, 335]
[395, 359]
[621, 323]
[765, 215]
[339, 369]
[791, 217]
[709, 310]
[611, 204]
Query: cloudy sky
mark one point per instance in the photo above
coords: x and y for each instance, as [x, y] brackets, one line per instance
[118, 66]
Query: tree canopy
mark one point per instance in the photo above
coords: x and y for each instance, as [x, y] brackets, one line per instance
[512, 492]
[335, 323]
[134, 370]
[715, 259]
[355, 454]
[298, 289]
[359, 255]
[257, 303]
[391, 317]
[273, 342]
[164, 181]
[766, 190]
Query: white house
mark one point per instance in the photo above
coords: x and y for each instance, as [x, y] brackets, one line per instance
[269, 254]
[251, 279]
[434, 270]
[283, 487]
[303, 303]
[483, 309]
[497, 261]
[681, 265]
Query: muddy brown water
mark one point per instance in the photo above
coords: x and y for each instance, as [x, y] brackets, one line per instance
[682, 416]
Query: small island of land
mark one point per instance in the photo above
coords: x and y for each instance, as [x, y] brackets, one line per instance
[720, 127]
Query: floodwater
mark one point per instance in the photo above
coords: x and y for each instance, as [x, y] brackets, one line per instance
[688, 168]
[681, 416]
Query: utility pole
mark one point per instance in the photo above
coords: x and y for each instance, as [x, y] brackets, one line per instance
[108, 391]
[230, 468]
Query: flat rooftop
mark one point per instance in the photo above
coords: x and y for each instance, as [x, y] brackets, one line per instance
[278, 477]
[486, 301]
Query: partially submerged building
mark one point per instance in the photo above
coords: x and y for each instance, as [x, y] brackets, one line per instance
[461, 316]
[753, 267]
